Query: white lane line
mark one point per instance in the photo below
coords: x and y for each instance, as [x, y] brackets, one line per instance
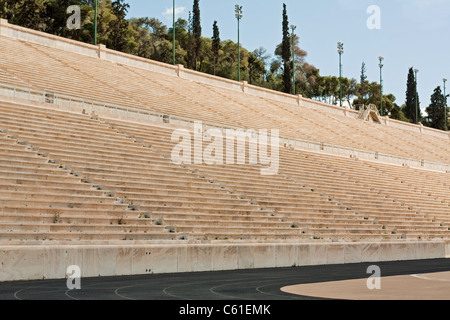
[430, 279]
[172, 295]
[17, 292]
[190, 283]
[122, 296]
[143, 284]
[68, 295]
[212, 290]
[273, 294]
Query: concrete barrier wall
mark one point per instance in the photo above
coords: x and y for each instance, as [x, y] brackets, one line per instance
[24, 34]
[51, 262]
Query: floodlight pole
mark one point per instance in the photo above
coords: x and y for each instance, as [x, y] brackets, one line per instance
[238, 11]
[173, 35]
[381, 84]
[445, 107]
[340, 51]
[95, 21]
[293, 58]
[417, 97]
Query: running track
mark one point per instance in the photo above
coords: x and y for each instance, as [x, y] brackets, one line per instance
[243, 285]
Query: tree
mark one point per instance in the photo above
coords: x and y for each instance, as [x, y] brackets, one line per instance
[26, 13]
[216, 45]
[256, 69]
[411, 98]
[151, 38]
[350, 87]
[306, 79]
[56, 17]
[362, 88]
[181, 40]
[397, 113]
[286, 53]
[328, 89]
[120, 33]
[190, 57]
[196, 36]
[228, 60]
[436, 117]
[143, 37]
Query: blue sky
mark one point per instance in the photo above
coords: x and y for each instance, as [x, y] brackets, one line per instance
[413, 33]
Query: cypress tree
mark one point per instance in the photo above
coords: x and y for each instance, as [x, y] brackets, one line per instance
[363, 85]
[216, 46]
[190, 58]
[411, 97]
[286, 53]
[196, 33]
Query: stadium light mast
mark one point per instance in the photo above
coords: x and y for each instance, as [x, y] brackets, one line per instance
[445, 107]
[293, 57]
[416, 71]
[239, 16]
[95, 21]
[381, 84]
[173, 34]
[340, 51]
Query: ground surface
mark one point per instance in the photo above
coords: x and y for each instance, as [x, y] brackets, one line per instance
[423, 277]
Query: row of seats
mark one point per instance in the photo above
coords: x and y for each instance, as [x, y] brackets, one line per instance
[136, 182]
[90, 78]
[67, 176]
[72, 177]
[343, 190]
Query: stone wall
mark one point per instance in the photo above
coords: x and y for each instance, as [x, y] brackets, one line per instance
[51, 262]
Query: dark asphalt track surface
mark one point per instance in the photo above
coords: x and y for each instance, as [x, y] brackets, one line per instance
[240, 285]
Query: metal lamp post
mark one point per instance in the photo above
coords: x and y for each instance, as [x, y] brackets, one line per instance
[173, 35]
[293, 58]
[340, 51]
[445, 107]
[95, 21]
[381, 84]
[416, 71]
[239, 16]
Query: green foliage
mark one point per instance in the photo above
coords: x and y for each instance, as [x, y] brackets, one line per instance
[398, 114]
[26, 13]
[195, 32]
[286, 54]
[150, 38]
[411, 98]
[120, 36]
[436, 115]
[362, 89]
[216, 46]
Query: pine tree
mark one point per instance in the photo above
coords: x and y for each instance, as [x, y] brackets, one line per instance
[216, 46]
[411, 97]
[436, 116]
[286, 53]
